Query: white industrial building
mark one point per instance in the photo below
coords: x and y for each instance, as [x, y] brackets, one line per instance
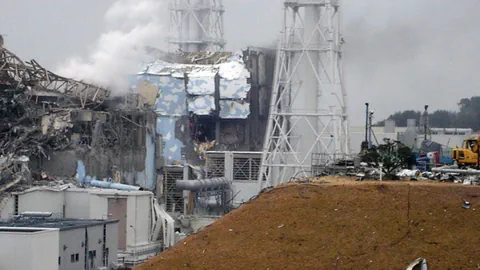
[41, 243]
[144, 229]
[412, 135]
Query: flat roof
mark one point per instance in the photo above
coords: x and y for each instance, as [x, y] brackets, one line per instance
[100, 191]
[21, 230]
[61, 224]
[95, 191]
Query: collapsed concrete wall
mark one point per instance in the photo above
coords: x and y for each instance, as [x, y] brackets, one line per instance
[121, 147]
[48, 123]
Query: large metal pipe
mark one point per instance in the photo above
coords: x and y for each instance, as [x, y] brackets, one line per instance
[83, 179]
[204, 184]
[471, 172]
[36, 214]
[448, 167]
[112, 185]
[208, 203]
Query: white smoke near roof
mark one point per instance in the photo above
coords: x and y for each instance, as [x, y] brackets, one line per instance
[132, 25]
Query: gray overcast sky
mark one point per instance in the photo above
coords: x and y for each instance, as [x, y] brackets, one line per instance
[399, 54]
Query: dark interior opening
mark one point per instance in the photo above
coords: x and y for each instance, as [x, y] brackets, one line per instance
[203, 129]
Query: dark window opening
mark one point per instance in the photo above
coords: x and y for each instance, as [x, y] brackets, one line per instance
[84, 131]
[74, 258]
[16, 205]
[203, 129]
[141, 131]
[105, 258]
[471, 144]
[59, 260]
[92, 255]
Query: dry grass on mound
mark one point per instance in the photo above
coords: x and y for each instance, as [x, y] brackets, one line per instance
[340, 225]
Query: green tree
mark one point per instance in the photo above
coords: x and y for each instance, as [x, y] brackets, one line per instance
[392, 155]
[468, 116]
[443, 119]
[401, 118]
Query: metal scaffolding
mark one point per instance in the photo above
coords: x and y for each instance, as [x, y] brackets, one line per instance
[308, 110]
[197, 25]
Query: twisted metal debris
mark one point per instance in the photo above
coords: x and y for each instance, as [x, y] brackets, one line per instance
[34, 78]
[35, 113]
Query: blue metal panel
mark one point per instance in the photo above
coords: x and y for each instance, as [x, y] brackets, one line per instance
[150, 173]
[201, 105]
[234, 89]
[172, 95]
[172, 150]
[232, 109]
[201, 85]
[233, 70]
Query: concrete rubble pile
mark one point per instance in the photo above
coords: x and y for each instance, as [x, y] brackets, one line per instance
[20, 130]
[452, 174]
[355, 169]
[13, 171]
[363, 171]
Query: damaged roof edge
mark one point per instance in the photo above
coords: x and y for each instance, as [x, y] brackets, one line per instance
[32, 76]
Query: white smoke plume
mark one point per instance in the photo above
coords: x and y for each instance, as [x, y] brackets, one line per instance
[131, 26]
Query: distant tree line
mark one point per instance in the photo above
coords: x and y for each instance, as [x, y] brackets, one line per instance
[468, 116]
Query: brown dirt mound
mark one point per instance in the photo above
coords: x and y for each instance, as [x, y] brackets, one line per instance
[339, 225]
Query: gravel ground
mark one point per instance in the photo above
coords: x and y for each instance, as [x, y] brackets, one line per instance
[337, 224]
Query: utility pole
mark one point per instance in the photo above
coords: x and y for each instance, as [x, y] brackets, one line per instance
[370, 125]
[425, 122]
[366, 124]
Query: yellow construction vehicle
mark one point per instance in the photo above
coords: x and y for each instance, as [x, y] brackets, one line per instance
[467, 155]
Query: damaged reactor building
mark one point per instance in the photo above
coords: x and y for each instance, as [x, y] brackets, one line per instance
[180, 108]
[198, 117]
[54, 124]
[208, 105]
[178, 150]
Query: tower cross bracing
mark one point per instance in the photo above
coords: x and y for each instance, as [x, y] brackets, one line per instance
[197, 25]
[308, 109]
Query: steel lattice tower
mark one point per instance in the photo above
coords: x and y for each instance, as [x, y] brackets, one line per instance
[308, 109]
[197, 25]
